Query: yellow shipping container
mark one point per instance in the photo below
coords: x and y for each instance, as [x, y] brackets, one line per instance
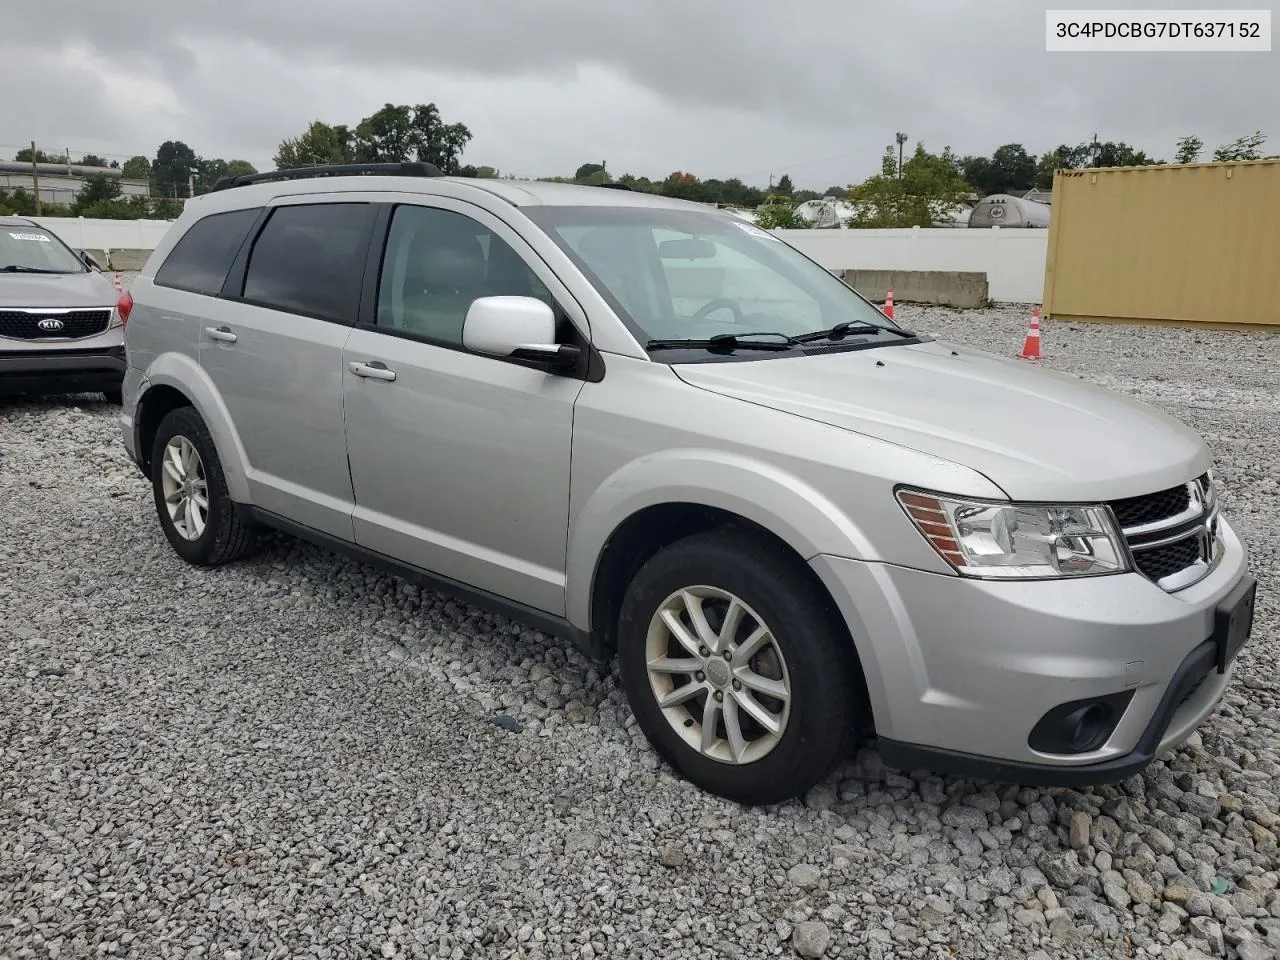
[1183, 243]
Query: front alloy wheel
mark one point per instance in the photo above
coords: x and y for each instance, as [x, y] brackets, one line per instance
[738, 667]
[718, 674]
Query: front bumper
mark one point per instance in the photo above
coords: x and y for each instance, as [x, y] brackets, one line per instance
[960, 671]
[69, 370]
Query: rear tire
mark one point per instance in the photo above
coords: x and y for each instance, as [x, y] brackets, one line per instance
[196, 511]
[795, 698]
[114, 397]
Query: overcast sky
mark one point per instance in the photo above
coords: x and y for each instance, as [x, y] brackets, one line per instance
[810, 88]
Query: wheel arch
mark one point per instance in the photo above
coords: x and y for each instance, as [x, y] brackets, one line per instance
[176, 380]
[639, 511]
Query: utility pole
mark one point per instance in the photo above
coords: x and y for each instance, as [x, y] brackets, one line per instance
[35, 176]
[68, 150]
[901, 138]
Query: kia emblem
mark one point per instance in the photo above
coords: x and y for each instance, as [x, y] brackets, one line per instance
[50, 324]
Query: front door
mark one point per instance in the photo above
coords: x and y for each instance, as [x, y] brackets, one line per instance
[460, 464]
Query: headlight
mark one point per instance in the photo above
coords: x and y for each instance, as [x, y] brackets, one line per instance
[1014, 540]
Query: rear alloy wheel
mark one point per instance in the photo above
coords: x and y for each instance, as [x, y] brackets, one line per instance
[186, 491]
[195, 509]
[738, 668]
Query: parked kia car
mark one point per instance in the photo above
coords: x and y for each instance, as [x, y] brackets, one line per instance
[61, 320]
[661, 432]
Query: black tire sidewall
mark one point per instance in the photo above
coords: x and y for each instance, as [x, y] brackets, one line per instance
[825, 695]
[186, 422]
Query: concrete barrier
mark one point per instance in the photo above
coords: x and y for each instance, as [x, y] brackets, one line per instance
[950, 288]
[1013, 261]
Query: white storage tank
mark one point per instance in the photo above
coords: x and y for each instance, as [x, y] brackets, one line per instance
[1003, 210]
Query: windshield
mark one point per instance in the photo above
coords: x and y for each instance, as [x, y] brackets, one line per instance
[25, 248]
[687, 275]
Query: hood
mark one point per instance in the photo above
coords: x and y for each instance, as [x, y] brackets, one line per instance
[90, 289]
[1037, 434]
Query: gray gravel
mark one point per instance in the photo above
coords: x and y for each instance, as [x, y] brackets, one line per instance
[299, 756]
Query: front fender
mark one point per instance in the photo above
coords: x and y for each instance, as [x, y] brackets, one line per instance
[766, 495]
[183, 374]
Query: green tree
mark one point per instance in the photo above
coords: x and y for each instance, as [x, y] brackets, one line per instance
[1061, 157]
[97, 189]
[931, 185]
[777, 212]
[585, 171]
[162, 208]
[682, 186]
[1120, 154]
[24, 156]
[1246, 148]
[93, 160]
[480, 173]
[172, 167]
[784, 186]
[136, 168]
[20, 202]
[319, 144]
[1188, 149]
[400, 133]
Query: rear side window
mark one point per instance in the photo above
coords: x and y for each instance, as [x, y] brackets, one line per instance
[199, 261]
[309, 259]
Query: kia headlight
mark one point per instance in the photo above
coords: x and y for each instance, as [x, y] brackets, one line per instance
[1017, 540]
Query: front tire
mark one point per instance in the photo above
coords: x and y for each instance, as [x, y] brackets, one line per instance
[196, 511]
[738, 668]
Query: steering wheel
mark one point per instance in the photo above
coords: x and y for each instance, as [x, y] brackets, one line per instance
[719, 303]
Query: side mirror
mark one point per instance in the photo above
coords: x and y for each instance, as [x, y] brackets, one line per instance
[520, 327]
[89, 262]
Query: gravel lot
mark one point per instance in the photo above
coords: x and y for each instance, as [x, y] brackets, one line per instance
[299, 756]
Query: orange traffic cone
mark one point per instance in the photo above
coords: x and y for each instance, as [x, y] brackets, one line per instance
[1031, 346]
[888, 304]
[116, 280]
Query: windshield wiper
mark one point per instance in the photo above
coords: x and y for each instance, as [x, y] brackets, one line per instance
[727, 341]
[849, 328]
[19, 268]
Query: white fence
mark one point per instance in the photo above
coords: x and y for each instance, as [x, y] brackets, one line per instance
[1013, 260]
[82, 233]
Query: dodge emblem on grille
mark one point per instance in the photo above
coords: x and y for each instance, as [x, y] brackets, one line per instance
[50, 324]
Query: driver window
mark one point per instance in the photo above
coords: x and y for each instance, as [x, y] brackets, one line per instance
[729, 287]
[436, 263]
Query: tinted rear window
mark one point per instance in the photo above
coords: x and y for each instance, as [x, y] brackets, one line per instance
[309, 259]
[200, 260]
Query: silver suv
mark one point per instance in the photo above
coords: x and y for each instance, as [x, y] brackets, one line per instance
[61, 320]
[662, 432]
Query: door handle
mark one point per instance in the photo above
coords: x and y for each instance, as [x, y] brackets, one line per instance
[374, 370]
[223, 334]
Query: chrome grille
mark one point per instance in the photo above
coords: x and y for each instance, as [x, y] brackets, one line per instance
[1173, 534]
[47, 324]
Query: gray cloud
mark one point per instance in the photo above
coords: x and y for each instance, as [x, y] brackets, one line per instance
[813, 88]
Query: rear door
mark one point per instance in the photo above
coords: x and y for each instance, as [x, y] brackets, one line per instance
[273, 348]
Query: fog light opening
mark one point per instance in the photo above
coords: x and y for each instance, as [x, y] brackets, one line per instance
[1090, 727]
[1080, 726]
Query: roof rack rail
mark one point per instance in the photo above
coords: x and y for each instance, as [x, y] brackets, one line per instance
[406, 169]
[614, 186]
